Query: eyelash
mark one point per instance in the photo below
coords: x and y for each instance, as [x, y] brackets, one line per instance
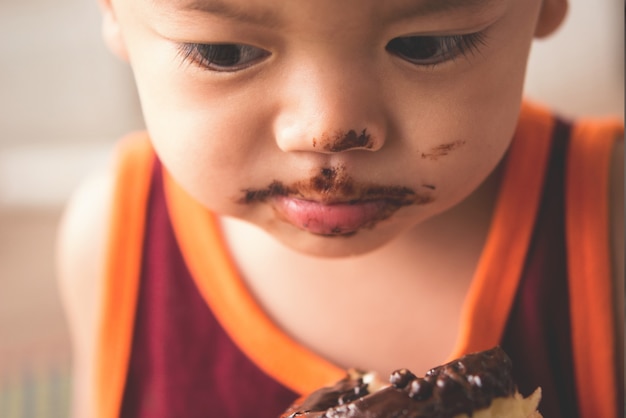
[440, 48]
[420, 51]
[221, 57]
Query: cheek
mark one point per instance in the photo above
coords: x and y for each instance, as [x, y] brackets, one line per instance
[478, 109]
[460, 140]
[487, 136]
[210, 144]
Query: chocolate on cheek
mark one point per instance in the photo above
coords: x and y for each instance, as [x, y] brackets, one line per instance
[442, 150]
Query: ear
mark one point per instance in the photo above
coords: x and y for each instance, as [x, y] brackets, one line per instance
[111, 31]
[550, 17]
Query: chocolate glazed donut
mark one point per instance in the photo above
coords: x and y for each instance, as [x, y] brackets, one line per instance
[459, 388]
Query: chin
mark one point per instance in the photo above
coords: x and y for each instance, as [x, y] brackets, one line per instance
[338, 245]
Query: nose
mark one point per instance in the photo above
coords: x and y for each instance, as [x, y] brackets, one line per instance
[330, 111]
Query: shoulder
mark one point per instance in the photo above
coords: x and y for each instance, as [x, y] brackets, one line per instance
[87, 219]
[82, 234]
[80, 255]
[91, 217]
[85, 224]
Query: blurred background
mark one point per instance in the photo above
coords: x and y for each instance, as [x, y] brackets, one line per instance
[64, 100]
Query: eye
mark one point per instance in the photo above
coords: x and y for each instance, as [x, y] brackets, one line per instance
[432, 50]
[222, 57]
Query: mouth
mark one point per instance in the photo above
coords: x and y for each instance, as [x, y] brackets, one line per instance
[332, 204]
[334, 219]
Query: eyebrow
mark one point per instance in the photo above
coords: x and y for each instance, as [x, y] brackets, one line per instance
[433, 7]
[229, 11]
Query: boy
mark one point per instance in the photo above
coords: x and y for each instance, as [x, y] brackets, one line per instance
[340, 184]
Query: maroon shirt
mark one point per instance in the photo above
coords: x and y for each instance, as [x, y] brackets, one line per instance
[183, 363]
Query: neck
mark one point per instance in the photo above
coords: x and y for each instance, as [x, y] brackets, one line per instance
[408, 285]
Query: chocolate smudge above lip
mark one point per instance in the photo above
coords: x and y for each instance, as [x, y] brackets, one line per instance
[442, 150]
[332, 186]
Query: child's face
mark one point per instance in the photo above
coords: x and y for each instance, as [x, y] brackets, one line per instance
[336, 126]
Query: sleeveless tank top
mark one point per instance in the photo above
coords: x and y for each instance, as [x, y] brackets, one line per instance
[182, 337]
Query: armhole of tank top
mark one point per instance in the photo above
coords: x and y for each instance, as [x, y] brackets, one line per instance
[589, 265]
[122, 271]
[212, 268]
[493, 288]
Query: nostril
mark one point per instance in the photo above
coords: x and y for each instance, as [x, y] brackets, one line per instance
[344, 141]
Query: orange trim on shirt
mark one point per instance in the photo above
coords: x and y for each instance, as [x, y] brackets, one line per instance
[122, 272]
[486, 307]
[221, 286]
[589, 265]
[499, 269]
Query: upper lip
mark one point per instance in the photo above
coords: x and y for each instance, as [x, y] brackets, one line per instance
[333, 186]
[400, 195]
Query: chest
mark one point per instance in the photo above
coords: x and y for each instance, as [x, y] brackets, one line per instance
[376, 316]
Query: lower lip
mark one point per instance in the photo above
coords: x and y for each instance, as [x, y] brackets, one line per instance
[338, 219]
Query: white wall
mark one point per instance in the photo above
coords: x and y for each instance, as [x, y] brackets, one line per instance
[64, 99]
[580, 69]
[57, 81]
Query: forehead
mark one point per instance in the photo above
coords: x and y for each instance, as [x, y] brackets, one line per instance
[276, 12]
